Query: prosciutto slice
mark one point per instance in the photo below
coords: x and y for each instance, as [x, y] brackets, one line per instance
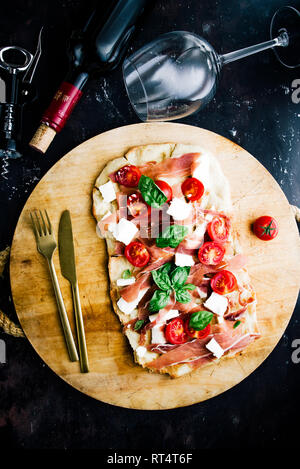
[177, 167]
[196, 351]
[131, 292]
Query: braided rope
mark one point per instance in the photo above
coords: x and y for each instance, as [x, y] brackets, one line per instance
[9, 327]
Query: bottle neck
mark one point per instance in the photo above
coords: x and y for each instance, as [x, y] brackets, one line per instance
[64, 100]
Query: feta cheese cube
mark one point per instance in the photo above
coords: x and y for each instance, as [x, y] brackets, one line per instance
[127, 307]
[217, 303]
[215, 348]
[179, 209]
[173, 313]
[124, 231]
[158, 336]
[200, 230]
[108, 191]
[141, 351]
[202, 293]
[183, 260]
[123, 282]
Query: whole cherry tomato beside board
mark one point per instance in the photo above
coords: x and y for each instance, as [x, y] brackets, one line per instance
[265, 228]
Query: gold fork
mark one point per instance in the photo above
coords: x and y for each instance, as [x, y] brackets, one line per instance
[46, 246]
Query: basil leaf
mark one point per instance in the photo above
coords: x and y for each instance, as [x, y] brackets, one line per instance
[167, 267]
[151, 193]
[182, 296]
[159, 300]
[162, 280]
[200, 320]
[172, 236]
[179, 276]
[236, 324]
[126, 274]
[138, 324]
[189, 286]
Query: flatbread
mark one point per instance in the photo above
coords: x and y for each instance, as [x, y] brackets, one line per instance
[216, 198]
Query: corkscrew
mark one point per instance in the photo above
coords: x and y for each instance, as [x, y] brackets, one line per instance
[18, 66]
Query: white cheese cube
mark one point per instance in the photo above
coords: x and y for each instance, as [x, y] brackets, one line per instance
[220, 319]
[201, 293]
[179, 209]
[123, 282]
[200, 230]
[183, 260]
[215, 348]
[141, 351]
[158, 336]
[124, 231]
[217, 303]
[126, 307]
[108, 191]
[173, 313]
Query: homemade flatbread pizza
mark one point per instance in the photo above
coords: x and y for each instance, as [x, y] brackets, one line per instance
[178, 278]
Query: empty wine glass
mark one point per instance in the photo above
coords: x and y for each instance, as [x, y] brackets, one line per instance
[177, 74]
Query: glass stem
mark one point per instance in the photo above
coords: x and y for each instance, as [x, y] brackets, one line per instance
[282, 40]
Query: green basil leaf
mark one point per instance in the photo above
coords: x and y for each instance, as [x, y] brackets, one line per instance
[179, 276]
[126, 274]
[161, 278]
[200, 320]
[172, 236]
[151, 193]
[159, 300]
[189, 286]
[182, 296]
[138, 324]
[167, 267]
[236, 324]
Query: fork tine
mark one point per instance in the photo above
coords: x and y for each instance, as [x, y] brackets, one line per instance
[34, 226]
[49, 222]
[39, 228]
[43, 222]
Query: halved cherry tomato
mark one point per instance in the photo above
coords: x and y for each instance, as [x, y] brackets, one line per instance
[196, 334]
[136, 205]
[128, 176]
[175, 332]
[166, 189]
[192, 189]
[265, 228]
[218, 229]
[223, 282]
[211, 253]
[137, 254]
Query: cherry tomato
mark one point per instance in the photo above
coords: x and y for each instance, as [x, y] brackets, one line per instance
[166, 189]
[265, 228]
[218, 229]
[137, 254]
[192, 189]
[223, 282]
[175, 332]
[128, 176]
[211, 253]
[136, 205]
[196, 334]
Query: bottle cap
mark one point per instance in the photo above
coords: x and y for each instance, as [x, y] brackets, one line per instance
[42, 138]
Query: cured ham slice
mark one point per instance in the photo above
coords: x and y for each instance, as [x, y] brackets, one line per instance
[131, 292]
[227, 337]
[177, 167]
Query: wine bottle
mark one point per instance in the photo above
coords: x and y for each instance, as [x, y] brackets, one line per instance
[97, 48]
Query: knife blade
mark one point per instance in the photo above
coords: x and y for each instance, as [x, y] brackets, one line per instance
[68, 270]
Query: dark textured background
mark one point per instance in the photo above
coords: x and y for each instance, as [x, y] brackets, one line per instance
[253, 107]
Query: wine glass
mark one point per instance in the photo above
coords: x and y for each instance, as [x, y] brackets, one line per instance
[177, 74]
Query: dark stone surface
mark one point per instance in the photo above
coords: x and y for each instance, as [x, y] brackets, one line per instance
[252, 107]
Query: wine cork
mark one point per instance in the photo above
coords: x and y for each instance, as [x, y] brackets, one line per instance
[42, 138]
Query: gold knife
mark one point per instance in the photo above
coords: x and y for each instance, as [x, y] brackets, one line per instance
[68, 269]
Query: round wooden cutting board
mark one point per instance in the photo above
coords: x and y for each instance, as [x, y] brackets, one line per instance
[114, 378]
